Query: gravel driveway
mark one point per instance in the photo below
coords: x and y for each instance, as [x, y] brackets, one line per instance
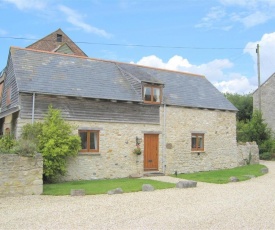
[243, 205]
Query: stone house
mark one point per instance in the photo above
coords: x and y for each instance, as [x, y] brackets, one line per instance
[180, 121]
[267, 101]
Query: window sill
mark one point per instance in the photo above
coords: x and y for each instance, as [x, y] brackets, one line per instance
[198, 152]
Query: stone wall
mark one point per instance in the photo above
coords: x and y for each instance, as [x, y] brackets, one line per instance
[247, 151]
[20, 175]
[115, 158]
[267, 102]
[117, 141]
[220, 147]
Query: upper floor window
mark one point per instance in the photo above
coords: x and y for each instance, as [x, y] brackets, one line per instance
[197, 142]
[89, 140]
[152, 94]
[59, 37]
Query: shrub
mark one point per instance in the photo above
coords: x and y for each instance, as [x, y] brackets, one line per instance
[6, 143]
[25, 148]
[265, 156]
[31, 132]
[56, 143]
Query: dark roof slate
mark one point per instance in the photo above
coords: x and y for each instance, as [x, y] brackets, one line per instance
[59, 74]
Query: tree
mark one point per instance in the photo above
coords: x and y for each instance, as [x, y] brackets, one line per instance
[256, 130]
[56, 143]
[244, 103]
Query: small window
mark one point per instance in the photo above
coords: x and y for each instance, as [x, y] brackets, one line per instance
[197, 142]
[59, 37]
[152, 94]
[89, 140]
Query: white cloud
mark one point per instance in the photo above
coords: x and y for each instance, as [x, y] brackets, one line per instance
[76, 19]
[238, 84]
[247, 3]
[254, 19]
[28, 4]
[214, 72]
[215, 14]
[247, 12]
[267, 54]
[175, 63]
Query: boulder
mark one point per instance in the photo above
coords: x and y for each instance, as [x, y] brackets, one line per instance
[233, 179]
[115, 191]
[147, 188]
[186, 184]
[264, 170]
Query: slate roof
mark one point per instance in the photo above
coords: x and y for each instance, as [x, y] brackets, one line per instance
[59, 74]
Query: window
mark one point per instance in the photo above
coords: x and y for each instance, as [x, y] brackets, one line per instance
[59, 37]
[89, 140]
[197, 142]
[152, 94]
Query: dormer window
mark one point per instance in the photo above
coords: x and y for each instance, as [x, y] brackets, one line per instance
[152, 94]
[59, 37]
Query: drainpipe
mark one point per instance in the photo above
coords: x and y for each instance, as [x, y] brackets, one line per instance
[164, 140]
[33, 103]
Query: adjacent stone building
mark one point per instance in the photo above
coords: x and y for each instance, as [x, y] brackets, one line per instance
[179, 121]
[267, 101]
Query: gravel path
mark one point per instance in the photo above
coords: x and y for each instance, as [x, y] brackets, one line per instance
[243, 205]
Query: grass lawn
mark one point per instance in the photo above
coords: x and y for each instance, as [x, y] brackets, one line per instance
[222, 176]
[94, 187]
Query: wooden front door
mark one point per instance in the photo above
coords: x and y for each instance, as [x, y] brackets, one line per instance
[151, 152]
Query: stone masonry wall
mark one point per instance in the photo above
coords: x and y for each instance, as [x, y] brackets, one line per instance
[117, 141]
[20, 175]
[246, 149]
[267, 101]
[220, 147]
[115, 158]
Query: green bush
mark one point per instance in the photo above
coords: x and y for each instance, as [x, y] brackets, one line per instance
[7, 142]
[56, 143]
[25, 148]
[31, 132]
[266, 156]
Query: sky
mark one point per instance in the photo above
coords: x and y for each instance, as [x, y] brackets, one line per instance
[214, 38]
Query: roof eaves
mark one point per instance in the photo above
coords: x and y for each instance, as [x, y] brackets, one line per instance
[9, 111]
[264, 82]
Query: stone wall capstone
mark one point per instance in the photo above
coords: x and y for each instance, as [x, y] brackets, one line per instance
[21, 175]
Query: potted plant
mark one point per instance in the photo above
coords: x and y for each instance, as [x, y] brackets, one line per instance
[137, 150]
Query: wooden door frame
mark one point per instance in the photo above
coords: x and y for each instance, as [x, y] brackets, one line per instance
[146, 156]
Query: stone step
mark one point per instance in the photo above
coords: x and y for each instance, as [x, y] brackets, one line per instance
[148, 174]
